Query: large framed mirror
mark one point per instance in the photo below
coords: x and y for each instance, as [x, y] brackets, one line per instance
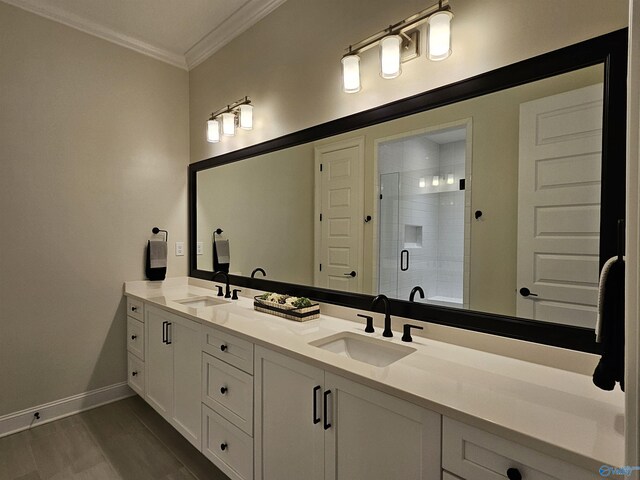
[492, 203]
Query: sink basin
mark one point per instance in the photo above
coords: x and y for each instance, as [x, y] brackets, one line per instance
[200, 302]
[373, 351]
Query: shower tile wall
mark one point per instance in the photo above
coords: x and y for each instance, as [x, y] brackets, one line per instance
[414, 208]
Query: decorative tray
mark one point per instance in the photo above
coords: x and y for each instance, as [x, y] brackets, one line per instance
[286, 310]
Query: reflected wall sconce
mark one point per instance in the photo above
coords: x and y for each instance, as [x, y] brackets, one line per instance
[239, 113]
[399, 43]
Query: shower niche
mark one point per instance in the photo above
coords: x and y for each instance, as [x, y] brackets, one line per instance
[423, 233]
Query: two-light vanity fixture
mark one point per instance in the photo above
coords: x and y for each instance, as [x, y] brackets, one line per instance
[239, 113]
[399, 43]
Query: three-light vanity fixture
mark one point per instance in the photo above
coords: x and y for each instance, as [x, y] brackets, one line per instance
[239, 113]
[399, 43]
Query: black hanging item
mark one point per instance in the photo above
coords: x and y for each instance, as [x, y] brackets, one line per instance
[610, 328]
[156, 256]
[219, 263]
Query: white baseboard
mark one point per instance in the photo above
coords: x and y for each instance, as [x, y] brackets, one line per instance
[48, 412]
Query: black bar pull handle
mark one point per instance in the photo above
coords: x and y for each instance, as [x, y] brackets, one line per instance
[316, 419]
[168, 337]
[164, 332]
[327, 425]
[404, 260]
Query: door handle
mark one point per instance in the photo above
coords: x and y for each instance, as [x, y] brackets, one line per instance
[164, 332]
[168, 338]
[351, 274]
[327, 425]
[316, 419]
[404, 260]
[525, 292]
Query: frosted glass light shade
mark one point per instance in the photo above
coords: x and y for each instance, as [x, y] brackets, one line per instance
[390, 56]
[351, 73]
[450, 179]
[246, 117]
[439, 35]
[213, 131]
[435, 181]
[228, 124]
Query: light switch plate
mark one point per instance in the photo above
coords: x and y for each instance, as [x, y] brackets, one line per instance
[199, 248]
[179, 249]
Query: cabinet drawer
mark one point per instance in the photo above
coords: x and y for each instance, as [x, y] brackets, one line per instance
[135, 337]
[135, 308]
[228, 447]
[475, 454]
[136, 374]
[228, 348]
[228, 391]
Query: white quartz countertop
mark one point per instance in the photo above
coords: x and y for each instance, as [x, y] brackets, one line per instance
[557, 412]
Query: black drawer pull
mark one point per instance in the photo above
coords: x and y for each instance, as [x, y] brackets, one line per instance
[133, 337]
[514, 474]
[223, 390]
[327, 425]
[316, 419]
[134, 309]
[134, 373]
[223, 347]
[223, 446]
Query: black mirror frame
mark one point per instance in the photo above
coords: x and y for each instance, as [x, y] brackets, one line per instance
[609, 49]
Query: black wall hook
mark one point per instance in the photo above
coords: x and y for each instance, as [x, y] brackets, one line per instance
[156, 231]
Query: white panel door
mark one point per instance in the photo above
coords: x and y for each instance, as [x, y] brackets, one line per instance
[159, 362]
[559, 206]
[374, 436]
[340, 219]
[184, 336]
[288, 430]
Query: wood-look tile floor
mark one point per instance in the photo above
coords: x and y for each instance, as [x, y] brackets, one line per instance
[124, 440]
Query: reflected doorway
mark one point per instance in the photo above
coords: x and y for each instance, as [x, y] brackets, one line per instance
[424, 225]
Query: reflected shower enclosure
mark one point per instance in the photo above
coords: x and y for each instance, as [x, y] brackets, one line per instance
[424, 225]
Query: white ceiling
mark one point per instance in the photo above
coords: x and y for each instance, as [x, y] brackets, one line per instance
[181, 32]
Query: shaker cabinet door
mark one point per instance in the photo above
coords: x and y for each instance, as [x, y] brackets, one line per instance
[288, 444]
[159, 363]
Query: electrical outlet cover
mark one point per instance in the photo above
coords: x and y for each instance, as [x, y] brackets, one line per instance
[179, 249]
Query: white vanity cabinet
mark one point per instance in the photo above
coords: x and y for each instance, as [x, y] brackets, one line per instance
[473, 454]
[173, 363]
[315, 425]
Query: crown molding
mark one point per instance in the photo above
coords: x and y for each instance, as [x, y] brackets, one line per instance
[241, 20]
[92, 28]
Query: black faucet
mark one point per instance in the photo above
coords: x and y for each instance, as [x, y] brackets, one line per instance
[226, 277]
[413, 293]
[387, 317]
[256, 270]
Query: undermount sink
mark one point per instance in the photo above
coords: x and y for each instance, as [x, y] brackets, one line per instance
[200, 302]
[373, 351]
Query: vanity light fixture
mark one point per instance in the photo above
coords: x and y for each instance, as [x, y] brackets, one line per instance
[390, 53]
[351, 73]
[399, 43]
[450, 179]
[435, 181]
[213, 130]
[238, 113]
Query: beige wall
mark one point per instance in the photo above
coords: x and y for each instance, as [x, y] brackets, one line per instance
[93, 153]
[289, 63]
